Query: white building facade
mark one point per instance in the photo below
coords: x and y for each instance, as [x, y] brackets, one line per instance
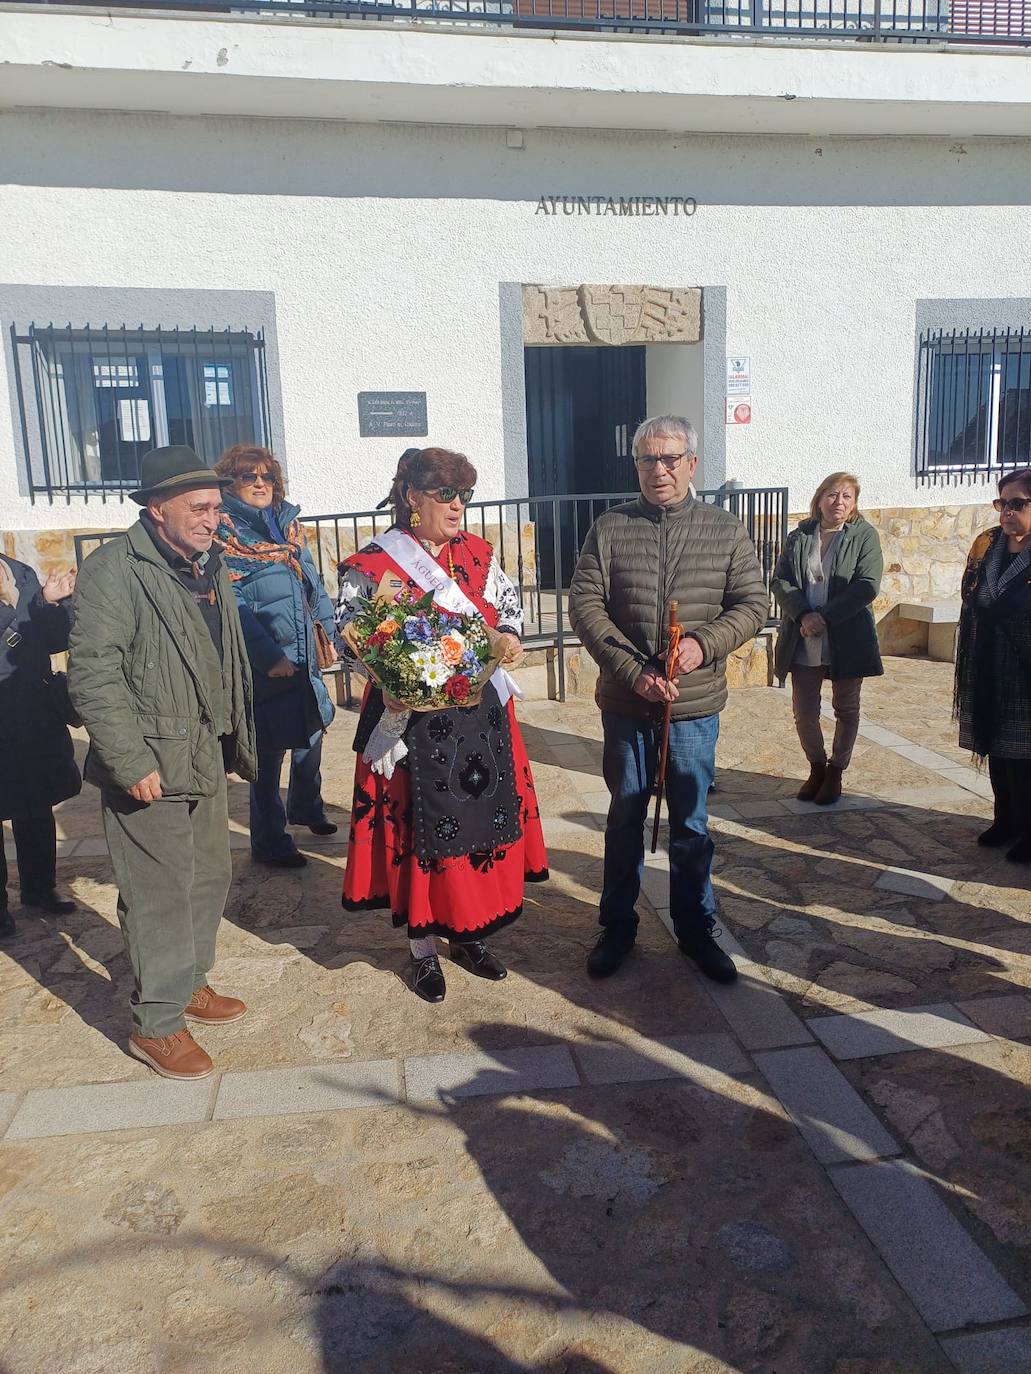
[314, 231]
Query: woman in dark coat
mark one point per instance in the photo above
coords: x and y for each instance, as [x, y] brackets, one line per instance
[993, 663]
[825, 581]
[281, 600]
[37, 758]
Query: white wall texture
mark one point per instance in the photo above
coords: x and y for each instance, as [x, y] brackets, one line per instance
[674, 385]
[385, 247]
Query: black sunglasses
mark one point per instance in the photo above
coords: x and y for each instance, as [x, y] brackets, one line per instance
[445, 495]
[1015, 503]
[250, 479]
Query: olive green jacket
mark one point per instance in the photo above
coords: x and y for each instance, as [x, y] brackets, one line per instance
[145, 677]
[636, 559]
[855, 580]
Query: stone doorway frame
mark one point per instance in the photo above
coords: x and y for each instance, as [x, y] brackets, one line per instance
[615, 315]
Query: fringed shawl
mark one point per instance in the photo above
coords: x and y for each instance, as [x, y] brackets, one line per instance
[242, 553]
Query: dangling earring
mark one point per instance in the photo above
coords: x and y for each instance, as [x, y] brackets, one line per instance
[415, 520]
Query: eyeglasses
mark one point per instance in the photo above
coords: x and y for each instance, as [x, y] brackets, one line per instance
[251, 479]
[670, 461]
[1015, 503]
[445, 495]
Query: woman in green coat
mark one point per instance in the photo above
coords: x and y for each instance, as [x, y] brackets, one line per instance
[824, 582]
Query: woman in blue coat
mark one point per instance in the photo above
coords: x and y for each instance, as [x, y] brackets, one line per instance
[283, 608]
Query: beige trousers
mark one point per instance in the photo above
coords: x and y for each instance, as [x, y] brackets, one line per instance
[806, 684]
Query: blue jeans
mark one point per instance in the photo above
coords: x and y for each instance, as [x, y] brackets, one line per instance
[629, 762]
[304, 806]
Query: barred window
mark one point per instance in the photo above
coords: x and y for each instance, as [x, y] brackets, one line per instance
[94, 400]
[974, 403]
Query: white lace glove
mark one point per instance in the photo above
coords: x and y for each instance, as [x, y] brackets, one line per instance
[386, 748]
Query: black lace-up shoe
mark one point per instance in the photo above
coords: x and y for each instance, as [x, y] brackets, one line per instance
[608, 954]
[475, 957]
[427, 979]
[703, 950]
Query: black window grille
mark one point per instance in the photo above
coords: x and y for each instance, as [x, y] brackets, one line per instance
[93, 400]
[973, 403]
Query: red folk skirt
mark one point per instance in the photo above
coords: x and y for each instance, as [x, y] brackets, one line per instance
[463, 898]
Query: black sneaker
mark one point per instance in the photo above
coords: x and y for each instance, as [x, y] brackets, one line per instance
[714, 962]
[608, 954]
[427, 979]
[323, 828]
[52, 902]
[8, 930]
[294, 860]
[996, 835]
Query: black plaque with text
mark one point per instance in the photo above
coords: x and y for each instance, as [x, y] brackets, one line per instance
[399, 413]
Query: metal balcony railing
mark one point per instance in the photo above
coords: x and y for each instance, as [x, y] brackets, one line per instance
[883, 21]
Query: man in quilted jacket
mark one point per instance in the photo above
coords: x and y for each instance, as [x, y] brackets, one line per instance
[159, 674]
[664, 546]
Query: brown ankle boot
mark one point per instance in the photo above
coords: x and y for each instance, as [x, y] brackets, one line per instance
[210, 1006]
[813, 782]
[172, 1056]
[830, 788]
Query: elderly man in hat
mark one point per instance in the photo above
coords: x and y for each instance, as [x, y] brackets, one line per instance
[160, 677]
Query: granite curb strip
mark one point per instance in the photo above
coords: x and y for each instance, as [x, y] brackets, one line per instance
[480, 1072]
[866, 1034]
[829, 1113]
[110, 1107]
[951, 1282]
[991, 1352]
[324, 1087]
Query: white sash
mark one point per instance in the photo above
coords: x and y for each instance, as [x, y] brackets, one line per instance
[429, 576]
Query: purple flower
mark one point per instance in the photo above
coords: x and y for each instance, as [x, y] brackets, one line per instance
[470, 662]
[417, 628]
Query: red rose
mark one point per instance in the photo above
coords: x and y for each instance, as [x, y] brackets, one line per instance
[375, 640]
[457, 687]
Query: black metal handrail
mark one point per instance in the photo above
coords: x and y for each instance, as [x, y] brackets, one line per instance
[885, 21]
[537, 540]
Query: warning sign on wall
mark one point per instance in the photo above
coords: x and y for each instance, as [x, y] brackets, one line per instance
[739, 390]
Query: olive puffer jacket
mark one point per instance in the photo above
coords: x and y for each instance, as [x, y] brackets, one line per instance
[855, 580]
[636, 559]
[144, 675]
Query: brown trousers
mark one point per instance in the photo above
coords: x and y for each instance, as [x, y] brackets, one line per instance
[806, 684]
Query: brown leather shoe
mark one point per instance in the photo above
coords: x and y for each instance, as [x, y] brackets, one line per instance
[172, 1056]
[813, 782]
[207, 1005]
[830, 788]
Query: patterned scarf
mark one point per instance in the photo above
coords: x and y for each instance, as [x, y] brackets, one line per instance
[241, 554]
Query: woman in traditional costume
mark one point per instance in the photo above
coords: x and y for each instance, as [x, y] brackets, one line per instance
[445, 828]
[993, 663]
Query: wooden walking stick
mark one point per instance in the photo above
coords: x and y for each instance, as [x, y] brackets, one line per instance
[673, 644]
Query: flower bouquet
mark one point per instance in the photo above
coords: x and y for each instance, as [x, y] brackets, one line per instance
[426, 658]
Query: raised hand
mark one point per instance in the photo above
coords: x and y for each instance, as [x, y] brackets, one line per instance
[58, 586]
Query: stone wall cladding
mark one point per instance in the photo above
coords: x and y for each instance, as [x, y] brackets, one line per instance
[612, 315]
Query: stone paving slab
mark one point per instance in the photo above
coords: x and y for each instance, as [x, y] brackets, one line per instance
[949, 1279]
[110, 1107]
[8, 1106]
[314, 1088]
[480, 1073]
[892, 1031]
[931, 886]
[757, 1014]
[991, 1352]
[698, 1058]
[833, 1118]
[1008, 1016]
